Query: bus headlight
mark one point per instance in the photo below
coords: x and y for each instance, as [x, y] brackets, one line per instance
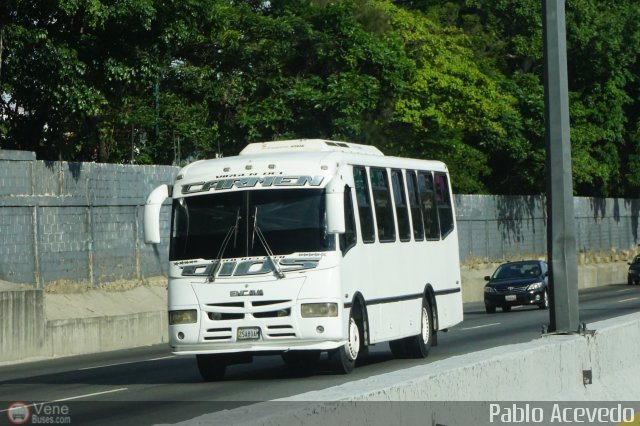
[183, 317]
[312, 310]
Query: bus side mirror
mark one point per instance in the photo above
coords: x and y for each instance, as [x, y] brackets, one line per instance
[152, 214]
[335, 206]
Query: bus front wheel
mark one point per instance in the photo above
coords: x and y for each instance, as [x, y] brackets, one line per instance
[343, 359]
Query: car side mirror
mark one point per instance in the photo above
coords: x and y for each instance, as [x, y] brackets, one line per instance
[487, 278]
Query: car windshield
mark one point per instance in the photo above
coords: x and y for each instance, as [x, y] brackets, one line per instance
[291, 220]
[517, 270]
[636, 261]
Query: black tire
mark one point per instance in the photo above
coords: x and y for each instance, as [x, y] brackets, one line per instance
[343, 359]
[300, 358]
[490, 309]
[506, 309]
[211, 367]
[545, 301]
[418, 346]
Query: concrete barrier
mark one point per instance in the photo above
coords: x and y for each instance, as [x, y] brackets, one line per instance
[599, 366]
[26, 333]
[21, 323]
[77, 336]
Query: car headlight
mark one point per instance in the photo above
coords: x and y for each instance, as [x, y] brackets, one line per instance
[535, 286]
[488, 289]
[312, 310]
[189, 316]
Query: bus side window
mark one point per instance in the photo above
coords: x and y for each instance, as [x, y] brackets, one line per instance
[402, 212]
[364, 204]
[349, 238]
[414, 203]
[429, 206]
[383, 207]
[445, 211]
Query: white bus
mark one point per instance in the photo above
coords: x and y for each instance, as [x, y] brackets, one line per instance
[306, 246]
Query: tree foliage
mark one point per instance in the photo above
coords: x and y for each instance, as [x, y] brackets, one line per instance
[149, 81]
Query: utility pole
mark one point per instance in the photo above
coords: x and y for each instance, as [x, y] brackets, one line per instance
[561, 239]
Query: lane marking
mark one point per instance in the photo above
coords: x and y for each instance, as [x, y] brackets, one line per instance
[480, 326]
[72, 398]
[628, 300]
[623, 290]
[125, 363]
[162, 357]
[109, 365]
[85, 396]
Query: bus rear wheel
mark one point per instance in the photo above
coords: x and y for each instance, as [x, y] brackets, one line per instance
[343, 359]
[418, 346]
[211, 367]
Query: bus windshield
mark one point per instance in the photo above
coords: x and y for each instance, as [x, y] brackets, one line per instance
[292, 220]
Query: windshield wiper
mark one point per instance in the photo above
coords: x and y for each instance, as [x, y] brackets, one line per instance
[217, 263]
[257, 231]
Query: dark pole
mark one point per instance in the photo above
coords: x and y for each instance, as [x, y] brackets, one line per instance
[561, 240]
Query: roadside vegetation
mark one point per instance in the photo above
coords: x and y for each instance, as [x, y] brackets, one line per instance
[165, 82]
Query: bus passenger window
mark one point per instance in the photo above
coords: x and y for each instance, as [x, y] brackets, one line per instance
[364, 204]
[349, 238]
[445, 211]
[382, 203]
[414, 203]
[402, 212]
[429, 206]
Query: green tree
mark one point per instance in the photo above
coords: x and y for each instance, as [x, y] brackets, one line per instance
[67, 64]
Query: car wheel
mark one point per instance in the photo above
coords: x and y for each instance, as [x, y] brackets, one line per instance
[211, 367]
[506, 309]
[490, 309]
[418, 346]
[545, 301]
[343, 359]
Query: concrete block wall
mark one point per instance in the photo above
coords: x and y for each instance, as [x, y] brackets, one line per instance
[78, 222]
[493, 227]
[83, 222]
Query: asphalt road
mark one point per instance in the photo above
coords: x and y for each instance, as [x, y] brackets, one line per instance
[148, 385]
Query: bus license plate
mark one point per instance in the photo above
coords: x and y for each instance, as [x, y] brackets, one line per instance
[248, 333]
[510, 298]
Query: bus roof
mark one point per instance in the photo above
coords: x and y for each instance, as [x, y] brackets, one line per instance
[297, 156]
[308, 145]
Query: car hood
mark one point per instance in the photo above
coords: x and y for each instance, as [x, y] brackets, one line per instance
[514, 281]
